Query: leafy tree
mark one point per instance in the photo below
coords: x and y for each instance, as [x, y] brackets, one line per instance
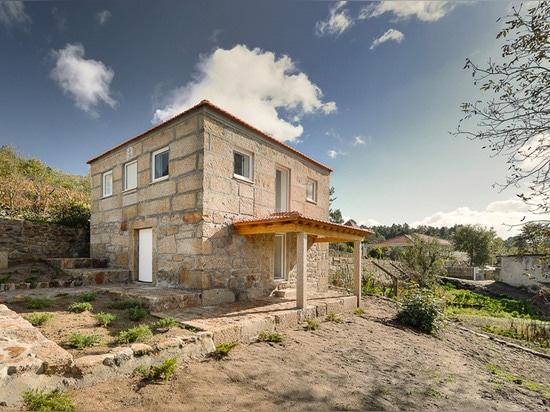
[534, 238]
[478, 243]
[428, 258]
[336, 216]
[515, 120]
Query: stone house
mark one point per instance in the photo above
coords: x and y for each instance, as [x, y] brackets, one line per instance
[206, 202]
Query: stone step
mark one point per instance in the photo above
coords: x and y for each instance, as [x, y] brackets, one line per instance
[285, 293]
[78, 263]
[98, 276]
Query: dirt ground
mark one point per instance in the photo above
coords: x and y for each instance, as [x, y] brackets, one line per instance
[367, 362]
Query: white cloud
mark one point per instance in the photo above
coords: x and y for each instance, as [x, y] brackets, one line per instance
[423, 10]
[333, 154]
[359, 140]
[103, 17]
[86, 81]
[391, 34]
[499, 215]
[12, 13]
[255, 86]
[338, 21]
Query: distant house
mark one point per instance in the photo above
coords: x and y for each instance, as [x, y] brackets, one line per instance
[206, 202]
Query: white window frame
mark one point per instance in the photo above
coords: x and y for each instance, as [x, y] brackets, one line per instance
[249, 173]
[127, 185]
[313, 196]
[154, 165]
[107, 184]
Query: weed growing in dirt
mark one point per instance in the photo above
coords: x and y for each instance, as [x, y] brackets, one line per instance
[88, 297]
[135, 334]
[534, 331]
[270, 337]
[122, 304]
[163, 325]
[157, 372]
[535, 387]
[136, 313]
[5, 279]
[331, 317]
[358, 312]
[312, 324]
[32, 280]
[422, 310]
[40, 400]
[223, 349]
[79, 341]
[104, 319]
[39, 319]
[38, 303]
[79, 307]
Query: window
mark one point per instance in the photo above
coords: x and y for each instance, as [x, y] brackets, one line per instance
[160, 164]
[107, 183]
[130, 175]
[311, 191]
[279, 257]
[281, 190]
[243, 165]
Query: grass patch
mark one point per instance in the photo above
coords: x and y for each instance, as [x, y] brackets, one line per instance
[264, 336]
[79, 341]
[136, 313]
[40, 400]
[5, 279]
[88, 297]
[163, 371]
[38, 303]
[135, 334]
[79, 307]
[104, 319]
[32, 280]
[331, 317]
[223, 349]
[163, 325]
[312, 324]
[533, 331]
[358, 312]
[39, 319]
[509, 377]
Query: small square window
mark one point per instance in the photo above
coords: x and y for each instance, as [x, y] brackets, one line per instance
[160, 164]
[243, 165]
[311, 191]
[107, 183]
[130, 175]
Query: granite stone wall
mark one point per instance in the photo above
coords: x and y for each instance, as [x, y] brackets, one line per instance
[30, 241]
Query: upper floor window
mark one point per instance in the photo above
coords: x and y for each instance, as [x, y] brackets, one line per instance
[107, 183]
[311, 190]
[243, 164]
[160, 164]
[130, 175]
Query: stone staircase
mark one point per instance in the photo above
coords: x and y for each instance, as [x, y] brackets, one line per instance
[87, 271]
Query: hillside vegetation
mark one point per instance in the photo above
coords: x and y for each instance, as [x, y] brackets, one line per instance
[30, 190]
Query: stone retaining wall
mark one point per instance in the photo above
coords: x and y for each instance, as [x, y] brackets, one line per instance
[30, 241]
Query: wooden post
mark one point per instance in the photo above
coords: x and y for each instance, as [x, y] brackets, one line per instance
[301, 266]
[357, 269]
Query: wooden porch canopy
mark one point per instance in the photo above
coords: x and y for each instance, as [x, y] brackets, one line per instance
[320, 230]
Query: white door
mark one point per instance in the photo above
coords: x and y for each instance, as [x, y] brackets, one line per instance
[281, 190]
[145, 251]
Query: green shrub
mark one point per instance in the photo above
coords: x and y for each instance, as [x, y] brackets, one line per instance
[358, 312]
[72, 213]
[122, 304]
[163, 325]
[157, 372]
[88, 297]
[5, 279]
[80, 341]
[223, 349]
[38, 303]
[135, 334]
[39, 400]
[312, 324]
[422, 310]
[31, 280]
[136, 313]
[79, 307]
[103, 319]
[270, 337]
[331, 317]
[39, 319]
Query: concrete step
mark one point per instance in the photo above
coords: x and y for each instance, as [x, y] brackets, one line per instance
[285, 293]
[98, 276]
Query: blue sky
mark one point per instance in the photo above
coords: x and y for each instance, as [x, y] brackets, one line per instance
[370, 89]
